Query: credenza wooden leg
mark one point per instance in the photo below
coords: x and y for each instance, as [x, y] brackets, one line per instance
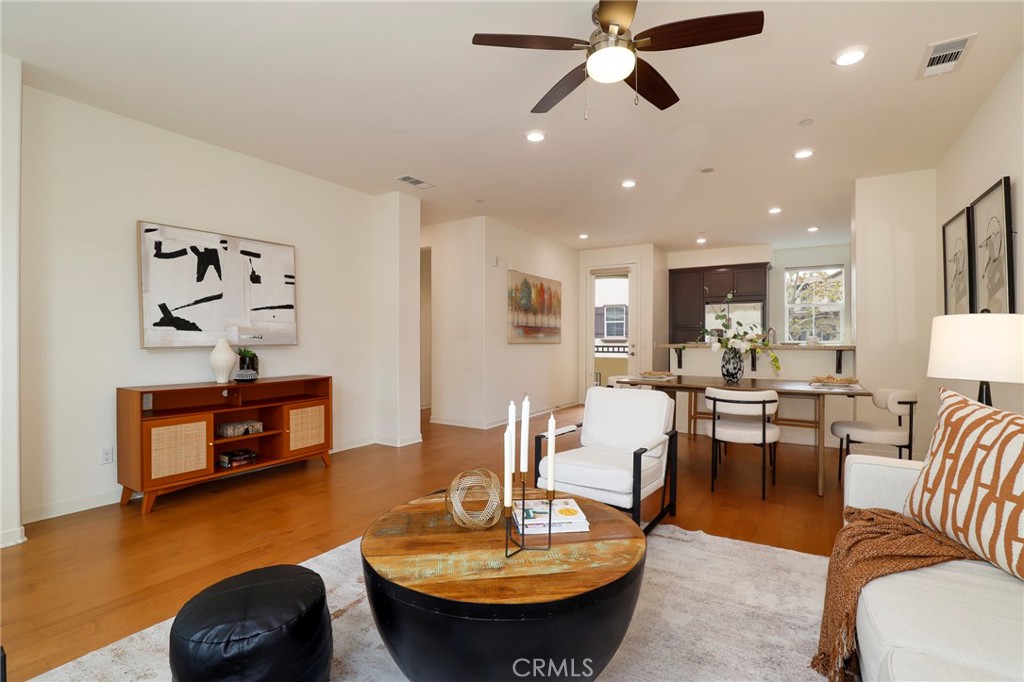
[326, 457]
[126, 495]
[147, 502]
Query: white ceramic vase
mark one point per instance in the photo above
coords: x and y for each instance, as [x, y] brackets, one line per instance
[222, 361]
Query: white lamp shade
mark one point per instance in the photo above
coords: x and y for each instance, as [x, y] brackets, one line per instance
[978, 347]
[611, 64]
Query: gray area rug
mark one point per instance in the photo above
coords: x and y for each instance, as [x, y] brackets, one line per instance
[710, 609]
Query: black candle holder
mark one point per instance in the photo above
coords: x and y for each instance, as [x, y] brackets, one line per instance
[513, 545]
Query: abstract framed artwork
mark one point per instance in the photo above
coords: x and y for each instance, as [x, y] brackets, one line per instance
[534, 309]
[197, 287]
[956, 253]
[992, 249]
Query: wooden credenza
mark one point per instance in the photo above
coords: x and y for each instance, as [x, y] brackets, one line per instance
[166, 435]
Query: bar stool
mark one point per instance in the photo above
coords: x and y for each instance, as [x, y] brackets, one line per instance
[899, 402]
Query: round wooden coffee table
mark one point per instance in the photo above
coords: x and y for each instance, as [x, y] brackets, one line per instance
[449, 605]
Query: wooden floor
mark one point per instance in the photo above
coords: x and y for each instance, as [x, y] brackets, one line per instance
[85, 580]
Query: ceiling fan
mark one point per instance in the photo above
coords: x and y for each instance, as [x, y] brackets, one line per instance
[611, 50]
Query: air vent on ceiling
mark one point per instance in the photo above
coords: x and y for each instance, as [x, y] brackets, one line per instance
[415, 182]
[945, 57]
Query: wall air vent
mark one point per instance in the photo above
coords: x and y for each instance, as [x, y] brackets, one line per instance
[415, 182]
[945, 57]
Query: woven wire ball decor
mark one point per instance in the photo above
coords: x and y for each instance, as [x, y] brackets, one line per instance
[485, 486]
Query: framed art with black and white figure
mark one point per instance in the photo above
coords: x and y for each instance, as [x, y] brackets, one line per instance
[992, 249]
[197, 287]
[956, 252]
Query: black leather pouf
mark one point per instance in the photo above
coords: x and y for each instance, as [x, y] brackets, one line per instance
[268, 624]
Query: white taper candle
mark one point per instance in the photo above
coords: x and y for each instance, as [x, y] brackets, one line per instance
[551, 452]
[508, 468]
[512, 430]
[524, 441]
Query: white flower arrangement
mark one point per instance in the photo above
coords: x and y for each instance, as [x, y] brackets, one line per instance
[741, 337]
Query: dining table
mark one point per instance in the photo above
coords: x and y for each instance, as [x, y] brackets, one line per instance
[794, 388]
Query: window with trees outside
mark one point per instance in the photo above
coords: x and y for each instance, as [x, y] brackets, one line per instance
[615, 321]
[815, 303]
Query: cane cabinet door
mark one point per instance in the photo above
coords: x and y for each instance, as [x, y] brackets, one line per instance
[307, 427]
[177, 448]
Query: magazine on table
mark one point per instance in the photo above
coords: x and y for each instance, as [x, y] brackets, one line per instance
[566, 516]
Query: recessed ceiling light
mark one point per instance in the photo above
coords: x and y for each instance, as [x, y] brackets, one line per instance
[535, 136]
[849, 56]
[629, 184]
[775, 210]
[709, 169]
[584, 236]
[701, 239]
[812, 229]
[803, 153]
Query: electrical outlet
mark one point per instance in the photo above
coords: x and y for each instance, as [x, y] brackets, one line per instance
[107, 455]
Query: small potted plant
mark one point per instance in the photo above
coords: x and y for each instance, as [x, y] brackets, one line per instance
[248, 365]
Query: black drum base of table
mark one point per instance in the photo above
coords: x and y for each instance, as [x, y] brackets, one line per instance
[439, 639]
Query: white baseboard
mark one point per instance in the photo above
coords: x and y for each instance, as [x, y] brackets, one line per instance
[77, 504]
[454, 422]
[14, 536]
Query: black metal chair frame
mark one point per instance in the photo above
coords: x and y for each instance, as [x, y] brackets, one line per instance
[909, 447]
[671, 471]
[768, 449]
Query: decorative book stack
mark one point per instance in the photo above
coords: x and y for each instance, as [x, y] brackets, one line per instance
[236, 458]
[566, 517]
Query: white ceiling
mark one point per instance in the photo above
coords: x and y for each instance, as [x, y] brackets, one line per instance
[360, 93]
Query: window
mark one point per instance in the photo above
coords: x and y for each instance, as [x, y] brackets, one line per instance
[615, 321]
[815, 303]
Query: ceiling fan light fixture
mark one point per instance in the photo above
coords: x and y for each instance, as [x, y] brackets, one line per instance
[535, 136]
[774, 210]
[611, 59]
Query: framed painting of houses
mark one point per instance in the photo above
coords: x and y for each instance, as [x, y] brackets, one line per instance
[197, 287]
[534, 309]
[992, 239]
[956, 256]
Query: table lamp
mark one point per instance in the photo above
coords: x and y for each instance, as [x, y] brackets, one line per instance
[978, 347]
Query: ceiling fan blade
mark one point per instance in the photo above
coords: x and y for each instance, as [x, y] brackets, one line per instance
[569, 82]
[650, 85]
[700, 31]
[615, 12]
[529, 42]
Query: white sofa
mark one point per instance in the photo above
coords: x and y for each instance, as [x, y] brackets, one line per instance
[961, 620]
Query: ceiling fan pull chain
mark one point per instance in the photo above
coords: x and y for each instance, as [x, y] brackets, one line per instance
[636, 86]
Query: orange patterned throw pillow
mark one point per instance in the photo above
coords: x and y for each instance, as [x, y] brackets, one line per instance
[972, 484]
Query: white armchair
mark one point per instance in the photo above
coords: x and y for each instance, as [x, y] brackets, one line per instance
[627, 452]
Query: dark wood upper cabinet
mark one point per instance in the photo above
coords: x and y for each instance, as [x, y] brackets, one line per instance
[690, 289]
[750, 281]
[718, 283]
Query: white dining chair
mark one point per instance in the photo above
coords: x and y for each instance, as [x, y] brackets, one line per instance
[899, 402]
[743, 417]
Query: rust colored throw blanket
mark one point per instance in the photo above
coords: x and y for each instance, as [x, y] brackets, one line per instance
[874, 543]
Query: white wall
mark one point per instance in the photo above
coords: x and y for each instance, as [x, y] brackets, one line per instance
[706, 258]
[11, 529]
[425, 328]
[838, 254]
[397, 315]
[87, 176]
[457, 367]
[545, 372]
[475, 371]
[991, 146]
[894, 255]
